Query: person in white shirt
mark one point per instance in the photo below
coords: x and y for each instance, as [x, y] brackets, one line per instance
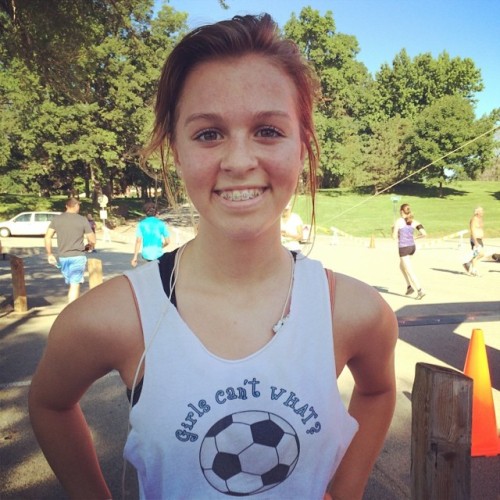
[292, 229]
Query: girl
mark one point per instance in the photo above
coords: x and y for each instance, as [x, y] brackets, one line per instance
[231, 346]
[404, 229]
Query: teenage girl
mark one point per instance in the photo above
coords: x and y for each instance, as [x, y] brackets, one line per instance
[404, 231]
[231, 346]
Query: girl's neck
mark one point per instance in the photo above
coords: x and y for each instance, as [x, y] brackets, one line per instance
[232, 259]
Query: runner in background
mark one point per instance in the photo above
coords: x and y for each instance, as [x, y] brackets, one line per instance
[152, 236]
[404, 229]
[476, 225]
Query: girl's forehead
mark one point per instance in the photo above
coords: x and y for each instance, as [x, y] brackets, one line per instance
[250, 70]
[251, 80]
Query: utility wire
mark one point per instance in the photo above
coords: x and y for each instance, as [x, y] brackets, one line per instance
[497, 127]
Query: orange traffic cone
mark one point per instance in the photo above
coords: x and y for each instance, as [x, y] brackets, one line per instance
[485, 440]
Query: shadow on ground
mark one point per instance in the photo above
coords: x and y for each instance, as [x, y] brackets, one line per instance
[443, 343]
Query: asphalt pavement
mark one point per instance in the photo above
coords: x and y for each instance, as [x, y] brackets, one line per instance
[434, 330]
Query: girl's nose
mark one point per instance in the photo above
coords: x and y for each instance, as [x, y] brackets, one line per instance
[238, 157]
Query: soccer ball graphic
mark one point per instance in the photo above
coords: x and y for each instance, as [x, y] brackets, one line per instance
[249, 452]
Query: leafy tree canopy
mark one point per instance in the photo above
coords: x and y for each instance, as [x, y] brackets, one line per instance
[78, 77]
[441, 136]
[410, 85]
[90, 118]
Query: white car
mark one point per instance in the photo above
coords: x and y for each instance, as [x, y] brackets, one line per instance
[27, 223]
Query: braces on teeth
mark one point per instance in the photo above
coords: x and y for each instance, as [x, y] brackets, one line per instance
[240, 195]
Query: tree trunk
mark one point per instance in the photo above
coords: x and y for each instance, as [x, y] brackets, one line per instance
[96, 187]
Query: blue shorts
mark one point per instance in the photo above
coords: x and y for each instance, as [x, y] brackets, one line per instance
[72, 268]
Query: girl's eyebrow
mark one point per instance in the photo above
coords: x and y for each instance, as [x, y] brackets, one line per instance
[200, 116]
[273, 114]
[262, 115]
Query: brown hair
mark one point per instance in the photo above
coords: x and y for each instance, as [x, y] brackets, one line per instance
[407, 213]
[149, 208]
[237, 37]
[72, 202]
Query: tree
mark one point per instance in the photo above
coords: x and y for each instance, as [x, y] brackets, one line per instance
[333, 56]
[125, 86]
[53, 37]
[345, 99]
[439, 140]
[20, 96]
[384, 152]
[88, 120]
[411, 85]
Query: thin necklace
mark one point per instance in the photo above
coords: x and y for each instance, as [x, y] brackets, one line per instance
[284, 317]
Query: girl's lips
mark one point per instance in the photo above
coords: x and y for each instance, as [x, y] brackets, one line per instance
[240, 194]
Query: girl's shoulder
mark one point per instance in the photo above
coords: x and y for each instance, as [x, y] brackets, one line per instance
[105, 323]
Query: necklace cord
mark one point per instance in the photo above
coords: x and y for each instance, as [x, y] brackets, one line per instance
[279, 324]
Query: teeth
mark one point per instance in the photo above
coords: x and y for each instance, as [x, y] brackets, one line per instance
[241, 195]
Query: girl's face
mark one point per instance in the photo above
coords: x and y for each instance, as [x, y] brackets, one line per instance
[238, 145]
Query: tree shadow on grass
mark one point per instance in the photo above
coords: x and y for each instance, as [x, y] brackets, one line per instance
[405, 189]
[427, 191]
[495, 195]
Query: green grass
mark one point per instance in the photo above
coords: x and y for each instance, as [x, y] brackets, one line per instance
[354, 213]
[364, 215]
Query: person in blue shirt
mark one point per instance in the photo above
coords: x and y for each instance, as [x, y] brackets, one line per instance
[152, 236]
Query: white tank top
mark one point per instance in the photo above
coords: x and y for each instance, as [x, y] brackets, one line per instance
[271, 425]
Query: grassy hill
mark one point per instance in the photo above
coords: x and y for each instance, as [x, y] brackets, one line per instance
[363, 215]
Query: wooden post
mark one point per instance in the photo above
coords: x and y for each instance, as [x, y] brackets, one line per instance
[18, 284]
[95, 272]
[441, 434]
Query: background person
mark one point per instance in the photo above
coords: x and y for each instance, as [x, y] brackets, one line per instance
[93, 226]
[404, 229]
[292, 229]
[92, 222]
[70, 229]
[232, 328]
[152, 236]
[476, 226]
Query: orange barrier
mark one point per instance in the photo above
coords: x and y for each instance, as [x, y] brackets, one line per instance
[485, 440]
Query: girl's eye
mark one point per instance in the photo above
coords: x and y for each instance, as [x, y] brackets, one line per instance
[269, 132]
[207, 135]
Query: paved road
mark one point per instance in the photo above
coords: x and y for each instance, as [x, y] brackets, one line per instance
[435, 330]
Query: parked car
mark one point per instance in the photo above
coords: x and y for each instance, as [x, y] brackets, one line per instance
[27, 223]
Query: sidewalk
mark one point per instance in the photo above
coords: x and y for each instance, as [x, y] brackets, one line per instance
[434, 330]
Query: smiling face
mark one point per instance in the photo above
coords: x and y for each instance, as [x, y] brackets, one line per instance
[237, 144]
